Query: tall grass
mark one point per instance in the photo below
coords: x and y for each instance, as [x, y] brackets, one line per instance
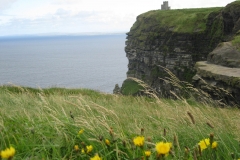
[44, 124]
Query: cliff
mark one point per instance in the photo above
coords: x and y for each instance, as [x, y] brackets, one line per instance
[176, 40]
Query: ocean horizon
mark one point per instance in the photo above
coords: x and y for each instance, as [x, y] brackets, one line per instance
[95, 62]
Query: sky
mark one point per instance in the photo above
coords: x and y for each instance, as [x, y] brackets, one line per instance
[42, 17]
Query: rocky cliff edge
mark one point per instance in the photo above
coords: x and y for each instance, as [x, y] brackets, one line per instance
[177, 39]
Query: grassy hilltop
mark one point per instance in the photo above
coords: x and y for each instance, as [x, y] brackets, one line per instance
[188, 20]
[79, 123]
[178, 20]
[205, 22]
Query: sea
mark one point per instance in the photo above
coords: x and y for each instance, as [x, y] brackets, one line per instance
[95, 62]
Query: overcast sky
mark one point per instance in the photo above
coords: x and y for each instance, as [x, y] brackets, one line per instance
[21, 17]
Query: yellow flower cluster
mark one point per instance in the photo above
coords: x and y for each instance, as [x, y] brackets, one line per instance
[214, 144]
[96, 157]
[147, 153]
[107, 142]
[8, 153]
[163, 148]
[76, 148]
[205, 143]
[89, 148]
[81, 131]
[82, 151]
[138, 141]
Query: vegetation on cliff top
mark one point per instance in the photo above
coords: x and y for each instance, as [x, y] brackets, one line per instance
[84, 124]
[130, 87]
[236, 41]
[235, 4]
[236, 38]
[179, 20]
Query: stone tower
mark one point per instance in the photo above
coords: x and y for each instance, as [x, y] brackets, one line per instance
[165, 6]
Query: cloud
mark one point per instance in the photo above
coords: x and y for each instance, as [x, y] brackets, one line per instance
[65, 1]
[62, 13]
[6, 3]
[46, 16]
[64, 21]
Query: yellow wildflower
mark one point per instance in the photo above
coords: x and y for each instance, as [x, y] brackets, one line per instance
[214, 144]
[8, 153]
[204, 143]
[147, 153]
[96, 157]
[82, 151]
[138, 141]
[89, 148]
[163, 148]
[107, 142]
[76, 148]
[80, 132]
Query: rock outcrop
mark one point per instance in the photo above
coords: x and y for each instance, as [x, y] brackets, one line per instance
[225, 54]
[220, 82]
[117, 89]
[177, 39]
[220, 74]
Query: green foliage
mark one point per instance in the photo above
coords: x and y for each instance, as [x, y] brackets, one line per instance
[45, 124]
[235, 4]
[152, 36]
[131, 72]
[236, 41]
[130, 87]
[234, 81]
[180, 20]
[188, 74]
[46, 91]
[216, 31]
[157, 72]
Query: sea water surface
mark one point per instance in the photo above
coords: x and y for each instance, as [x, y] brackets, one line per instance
[96, 62]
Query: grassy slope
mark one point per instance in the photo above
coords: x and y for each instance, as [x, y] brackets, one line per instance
[180, 20]
[130, 87]
[236, 41]
[38, 123]
[153, 24]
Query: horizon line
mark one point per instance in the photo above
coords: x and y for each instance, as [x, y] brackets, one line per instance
[64, 34]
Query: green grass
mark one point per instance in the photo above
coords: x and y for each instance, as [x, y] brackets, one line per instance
[180, 20]
[130, 87]
[236, 41]
[38, 124]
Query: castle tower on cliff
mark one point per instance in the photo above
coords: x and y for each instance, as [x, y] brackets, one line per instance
[165, 6]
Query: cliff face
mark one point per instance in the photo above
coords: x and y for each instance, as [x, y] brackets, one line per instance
[219, 76]
[177, 39]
